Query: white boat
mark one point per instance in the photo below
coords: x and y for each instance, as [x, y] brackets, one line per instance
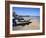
[20, 20]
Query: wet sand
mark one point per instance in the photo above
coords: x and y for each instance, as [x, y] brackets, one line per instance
[35, 25]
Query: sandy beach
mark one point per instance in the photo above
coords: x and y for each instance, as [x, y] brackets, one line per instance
[35, 25]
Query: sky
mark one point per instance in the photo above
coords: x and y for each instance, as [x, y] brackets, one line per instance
[27, 11]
